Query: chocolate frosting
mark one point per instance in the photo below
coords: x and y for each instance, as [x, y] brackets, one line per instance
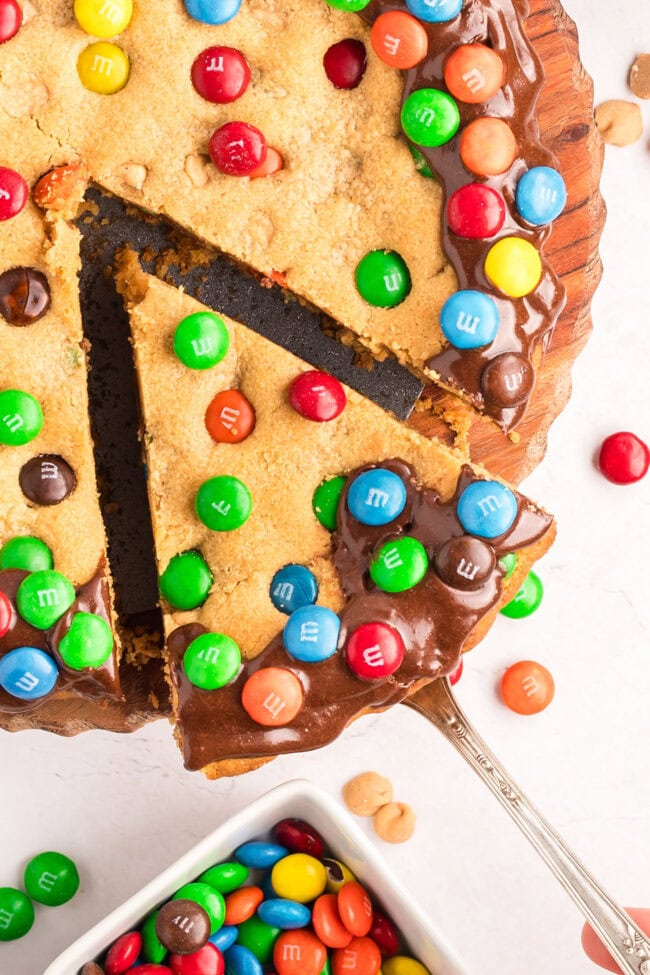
[526, 323]
[92, 597]
[433, 619]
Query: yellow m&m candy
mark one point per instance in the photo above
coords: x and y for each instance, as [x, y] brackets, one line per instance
[513, 266]
[103, 18]
[299, 877]
[402, 965]
[103, 68]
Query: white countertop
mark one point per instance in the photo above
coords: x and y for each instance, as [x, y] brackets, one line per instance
[124, 808]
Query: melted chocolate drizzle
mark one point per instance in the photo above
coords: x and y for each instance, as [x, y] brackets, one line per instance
[434, 620]
[92, 597]
[526, 323]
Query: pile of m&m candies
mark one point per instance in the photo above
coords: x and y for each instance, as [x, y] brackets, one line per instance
[281, 906]
[103, 67]
[43, 597]
[50, 878]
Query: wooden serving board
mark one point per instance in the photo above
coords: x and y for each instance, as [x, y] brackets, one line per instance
[567, 126]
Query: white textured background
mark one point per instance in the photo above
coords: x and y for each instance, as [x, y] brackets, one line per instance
[124, 808]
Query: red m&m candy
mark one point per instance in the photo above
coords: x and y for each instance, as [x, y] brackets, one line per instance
[6, 614]
[13, 193]
[237, 148]
[123, 953]
[317, 396]
[384, 933]
[221, 74]
[624, 458]
[374, 650]
[11, 18]
[456, 675]
[207, 961]
[345, 63]
[147, 969]
[299, 837]
[476, 211]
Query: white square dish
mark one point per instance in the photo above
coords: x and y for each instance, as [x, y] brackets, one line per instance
[298, 798]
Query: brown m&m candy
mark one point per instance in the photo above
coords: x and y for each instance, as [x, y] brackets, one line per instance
[47, 479]
[508, 380]
[183, 926]
[92, 968]
[24, 295]
[465, 562]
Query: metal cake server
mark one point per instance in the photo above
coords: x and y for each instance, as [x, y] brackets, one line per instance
[626, 942]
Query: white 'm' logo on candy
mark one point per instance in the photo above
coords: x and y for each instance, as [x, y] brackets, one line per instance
[377, 498]
[309, 632]
[202, 346]
[548, 194]
[4, 195]
[426, 115]
[513, 380]
[474, 80]
[209, 654]
[13, 421]
[291, 953]
[373, 656]
[49, 471]
[111, 11]
[284, 590]
[465, 323]
[47, 881]
[102, 65]
[530, 686]
[229, 417]
[392, 281]
[392, 558]
[5, 919]
[184, 923]
[221, 507]
[466, 569]
[216, 64]
[391, 44]
[274, 704]
[27, 682]
[47, 597]
[349, 959]
[489, 505]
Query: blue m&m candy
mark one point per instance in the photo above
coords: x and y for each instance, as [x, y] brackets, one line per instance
[284, 914]
[242, 961]
[293, 586]
[213, 11]
[260, 856]
[435, 11]
[487, 509]
[311, 634]
[469, 319]
[377, 497]
[540, 195]
[28, 673]
[225, 937]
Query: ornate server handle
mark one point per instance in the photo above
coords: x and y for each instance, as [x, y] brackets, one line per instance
[626, 942]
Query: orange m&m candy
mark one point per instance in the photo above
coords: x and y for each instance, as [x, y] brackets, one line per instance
[355, 909]
[299, 953]
[473, 73]
[230, 418]
[272, 163]
[361, 957]
[272, 697]
[242, 904]
[527, 687]
[398, 39]
[328, 924]
[488, 146]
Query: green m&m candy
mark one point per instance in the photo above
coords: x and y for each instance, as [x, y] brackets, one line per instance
[201, 340]
[211, 661]
[430, 117]
[399, 565]
[225, 877]
[88, 642]
[153, 949]
[186, 581]
[44, 597]
[25, 552]
[325, 501]
[21, 417]
[508, 563]
[16, 914]
[527, 599]
[422, 166]
[383, 279]
[258, 937]
[51, 878]
[223, 503]
[352, 5]
[210, 900]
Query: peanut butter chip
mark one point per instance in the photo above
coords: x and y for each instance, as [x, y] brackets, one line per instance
[619, 122]
[395, 822]
[19, 100]
[366, 793]
[134, 174]
[640, 76]
[196, 170]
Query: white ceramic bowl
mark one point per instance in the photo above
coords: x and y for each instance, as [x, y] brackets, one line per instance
[300, 799]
